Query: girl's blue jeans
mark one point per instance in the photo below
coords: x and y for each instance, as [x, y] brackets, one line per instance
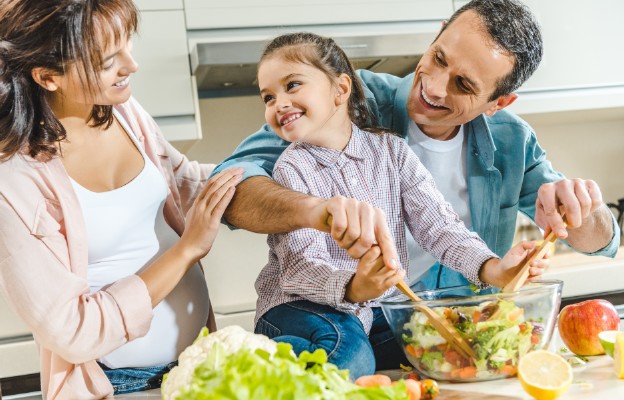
[128, 380]
[310, 326]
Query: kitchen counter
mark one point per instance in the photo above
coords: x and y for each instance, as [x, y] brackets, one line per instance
[595, 380]
[584, 275]
[592, 381]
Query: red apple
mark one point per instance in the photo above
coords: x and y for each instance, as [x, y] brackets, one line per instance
[580, 324]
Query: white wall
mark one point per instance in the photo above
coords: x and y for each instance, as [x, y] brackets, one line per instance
[586, 144]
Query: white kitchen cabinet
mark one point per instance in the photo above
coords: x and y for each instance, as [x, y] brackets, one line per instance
[18, 352]
[583, 57]
[12, 325]
[202, 14]
[231, 270]
[159, 4]
[582, 44]
[457, 4]
[163, 85]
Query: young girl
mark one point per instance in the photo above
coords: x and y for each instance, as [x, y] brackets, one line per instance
[93, 203]
[311, 293]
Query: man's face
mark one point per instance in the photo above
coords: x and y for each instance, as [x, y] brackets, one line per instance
[456, 77]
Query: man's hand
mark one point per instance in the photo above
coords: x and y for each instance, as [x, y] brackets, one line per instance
[590, 224]
[579, 198]
[372, 277]
[356, 226]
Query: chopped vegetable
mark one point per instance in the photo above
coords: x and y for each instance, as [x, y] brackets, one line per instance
[429, 389]
[497, 331]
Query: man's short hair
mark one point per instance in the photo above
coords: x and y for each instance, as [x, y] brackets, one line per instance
[513, 27]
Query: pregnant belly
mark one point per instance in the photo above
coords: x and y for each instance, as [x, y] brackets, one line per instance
[176, 322]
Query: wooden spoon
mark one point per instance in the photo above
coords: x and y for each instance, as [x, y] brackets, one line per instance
[444, 328]
[523, 273]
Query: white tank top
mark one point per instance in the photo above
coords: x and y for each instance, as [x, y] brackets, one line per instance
[446, 161]
[126, 230]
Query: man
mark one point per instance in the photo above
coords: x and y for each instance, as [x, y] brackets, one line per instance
[485, 160]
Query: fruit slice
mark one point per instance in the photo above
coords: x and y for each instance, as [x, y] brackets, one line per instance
[618, 355]
[544, 375]
[607, 339]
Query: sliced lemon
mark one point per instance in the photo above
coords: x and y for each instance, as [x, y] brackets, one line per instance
[544, 375]
[618, 355]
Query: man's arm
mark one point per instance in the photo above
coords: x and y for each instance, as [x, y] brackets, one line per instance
[591, 228]
[260, 205]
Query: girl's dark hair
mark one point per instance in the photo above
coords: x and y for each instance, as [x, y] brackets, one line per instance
[324, 54]
[53, 35]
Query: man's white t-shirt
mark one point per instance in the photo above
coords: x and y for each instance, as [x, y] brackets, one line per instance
[446, 161]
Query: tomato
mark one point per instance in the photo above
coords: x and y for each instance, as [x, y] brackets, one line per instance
[429, 389]
[535, 338]
[413, 376]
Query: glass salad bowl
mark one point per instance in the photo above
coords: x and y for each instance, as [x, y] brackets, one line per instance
[500, 328]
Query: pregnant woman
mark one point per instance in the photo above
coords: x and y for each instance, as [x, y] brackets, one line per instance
[102, 222]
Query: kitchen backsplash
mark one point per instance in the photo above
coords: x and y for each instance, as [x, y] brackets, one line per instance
[585, 144]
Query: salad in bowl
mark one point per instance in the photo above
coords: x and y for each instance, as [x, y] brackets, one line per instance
[500, 328]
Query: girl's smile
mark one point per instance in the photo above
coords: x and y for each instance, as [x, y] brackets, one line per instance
[288, 118]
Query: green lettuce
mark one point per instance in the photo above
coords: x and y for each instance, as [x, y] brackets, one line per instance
[256, 374]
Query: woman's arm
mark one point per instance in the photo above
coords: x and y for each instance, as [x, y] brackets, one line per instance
[202, 225]
[56, 303]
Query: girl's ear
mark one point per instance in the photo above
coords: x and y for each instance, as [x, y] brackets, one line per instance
[45, 78]
[343, 89]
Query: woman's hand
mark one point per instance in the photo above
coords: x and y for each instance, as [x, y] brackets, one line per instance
[372, 277]
[204, 217]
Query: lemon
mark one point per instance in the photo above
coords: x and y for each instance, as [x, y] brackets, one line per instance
[618, 355]
[544, 375]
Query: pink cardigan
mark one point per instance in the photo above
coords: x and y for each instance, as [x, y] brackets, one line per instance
[43, 263]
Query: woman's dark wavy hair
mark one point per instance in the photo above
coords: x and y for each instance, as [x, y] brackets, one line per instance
[53, 35]
[514, 29]
[324, 54]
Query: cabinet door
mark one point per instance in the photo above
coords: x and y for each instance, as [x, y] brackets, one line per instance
[163, 83]
[12, 325]
[202, 14]
[582, 44]
[159, 4]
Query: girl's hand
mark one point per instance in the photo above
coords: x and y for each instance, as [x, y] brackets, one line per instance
[204, 217]
[500, 272]
[372, 277]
